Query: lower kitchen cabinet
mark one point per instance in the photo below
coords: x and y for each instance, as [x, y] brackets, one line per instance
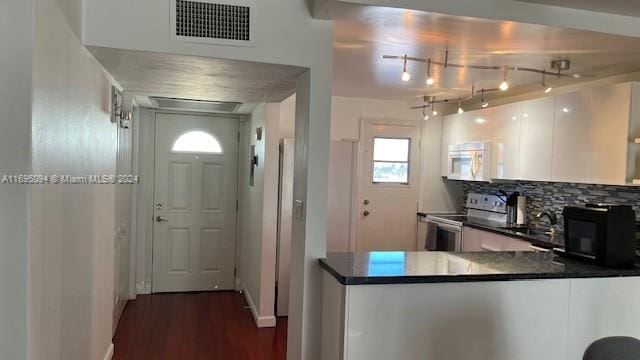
[480, 240]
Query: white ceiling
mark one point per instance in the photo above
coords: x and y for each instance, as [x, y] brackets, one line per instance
[363, 34]
[621, 7]
[198, 78]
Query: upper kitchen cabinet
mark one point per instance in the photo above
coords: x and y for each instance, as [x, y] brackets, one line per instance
[470, 126]
[608, 134]
[570, 137]
[506, 120]
[536, 139]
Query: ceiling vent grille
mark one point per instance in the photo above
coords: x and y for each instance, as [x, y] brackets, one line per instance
[213, 21]
[195, 105]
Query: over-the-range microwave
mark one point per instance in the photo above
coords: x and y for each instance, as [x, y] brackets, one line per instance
[470, 161]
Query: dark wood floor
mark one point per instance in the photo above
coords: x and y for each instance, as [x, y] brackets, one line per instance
[213, 325]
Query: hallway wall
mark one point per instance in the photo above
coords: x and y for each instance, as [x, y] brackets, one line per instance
[258, 213]
[16, 37]
[72, 226]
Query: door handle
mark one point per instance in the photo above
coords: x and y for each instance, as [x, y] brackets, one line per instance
[161, 219]
[366, 213]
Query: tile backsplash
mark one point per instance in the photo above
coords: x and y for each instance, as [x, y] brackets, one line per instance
[549, 196]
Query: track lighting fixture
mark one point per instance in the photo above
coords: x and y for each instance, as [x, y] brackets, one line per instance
[460, 109]
[559, 68]
[430, 79]
[405, 74]
[482, 101]
[547, 88]
[504, 86]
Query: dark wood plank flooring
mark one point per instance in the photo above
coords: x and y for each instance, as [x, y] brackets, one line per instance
[211, 325]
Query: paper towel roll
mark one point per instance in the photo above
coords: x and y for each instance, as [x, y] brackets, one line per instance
[522, 210]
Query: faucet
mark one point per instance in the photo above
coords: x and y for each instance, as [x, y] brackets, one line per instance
[553, 220]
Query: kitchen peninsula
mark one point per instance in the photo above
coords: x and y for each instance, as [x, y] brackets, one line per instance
[484, 305]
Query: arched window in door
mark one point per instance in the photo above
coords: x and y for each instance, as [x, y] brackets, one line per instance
[197, 142]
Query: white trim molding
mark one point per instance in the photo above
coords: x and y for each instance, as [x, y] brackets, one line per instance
[109, 354]
[261, 321]
[143, 287]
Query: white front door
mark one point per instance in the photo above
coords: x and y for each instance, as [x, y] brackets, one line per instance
[389, 186]
[194, 236]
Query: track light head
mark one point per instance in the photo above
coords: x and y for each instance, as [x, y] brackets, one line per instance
[405, 74]
[504, 85]
[460, 109]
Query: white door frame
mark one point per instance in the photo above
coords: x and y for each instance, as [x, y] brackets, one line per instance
[364, 121]
[142, 209]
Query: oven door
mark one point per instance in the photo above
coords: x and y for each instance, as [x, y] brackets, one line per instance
[443, 237]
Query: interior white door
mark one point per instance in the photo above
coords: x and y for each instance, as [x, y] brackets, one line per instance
[196, 168]
[389, 186]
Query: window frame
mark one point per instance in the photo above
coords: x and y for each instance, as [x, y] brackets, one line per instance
[408, 162]
[173, 144]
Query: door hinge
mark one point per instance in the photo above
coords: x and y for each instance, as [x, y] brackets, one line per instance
[238, 136]
[237, 205]
[235, 272]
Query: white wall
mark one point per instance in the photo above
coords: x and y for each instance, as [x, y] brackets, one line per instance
[72, 226]
[16, 37]
[346, 113]
[286, 35]
[144, 197]
[258, 213]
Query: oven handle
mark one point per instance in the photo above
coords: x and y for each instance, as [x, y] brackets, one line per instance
[446, 226]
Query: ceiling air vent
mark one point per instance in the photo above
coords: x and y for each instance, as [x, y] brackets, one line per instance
[224, 22]
[195, 105]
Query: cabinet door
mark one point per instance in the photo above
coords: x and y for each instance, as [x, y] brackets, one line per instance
[505, 141]
[494, 242]
[471, 239]
[478, 125]
[570, 139]
[536, 139]
[608, 135]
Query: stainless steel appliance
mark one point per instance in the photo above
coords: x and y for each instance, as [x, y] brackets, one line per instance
[444, 231]
[470, 161]
[604, 234]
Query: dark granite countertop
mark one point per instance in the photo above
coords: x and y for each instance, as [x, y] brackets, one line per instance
[540, 240]
[397, 267]
[522, 233]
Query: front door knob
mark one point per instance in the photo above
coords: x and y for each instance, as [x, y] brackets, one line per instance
[161, 219]
[366, 213]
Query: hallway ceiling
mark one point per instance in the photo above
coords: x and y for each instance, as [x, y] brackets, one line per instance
[363, 34]
[620, 7]
[197, 78]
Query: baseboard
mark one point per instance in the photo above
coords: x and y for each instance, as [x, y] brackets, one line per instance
[261, 321]
[143, 287]
[109, 354]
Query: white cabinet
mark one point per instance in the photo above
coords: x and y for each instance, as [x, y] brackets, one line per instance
[585, 137]
[536, 139]
[505, 141]
[471, 126]
[481, 240]
[570, 145]
[608, 134]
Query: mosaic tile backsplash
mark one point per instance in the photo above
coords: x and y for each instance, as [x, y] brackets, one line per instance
[548, 196]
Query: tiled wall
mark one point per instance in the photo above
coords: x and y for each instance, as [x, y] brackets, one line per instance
[546, 196]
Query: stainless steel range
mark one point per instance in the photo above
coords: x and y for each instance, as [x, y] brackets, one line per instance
[444, 231]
